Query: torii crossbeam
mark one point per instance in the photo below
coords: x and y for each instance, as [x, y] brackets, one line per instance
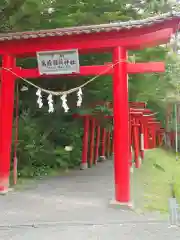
[132, 68]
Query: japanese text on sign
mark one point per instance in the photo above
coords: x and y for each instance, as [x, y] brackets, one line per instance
[58, 62]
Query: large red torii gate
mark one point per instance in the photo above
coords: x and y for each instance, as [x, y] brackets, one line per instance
[116, 38]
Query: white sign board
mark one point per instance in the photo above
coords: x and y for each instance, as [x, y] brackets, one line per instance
[58, 62]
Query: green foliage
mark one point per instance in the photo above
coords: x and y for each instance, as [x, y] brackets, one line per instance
[41, 149]
[104, 110]
[35, 152]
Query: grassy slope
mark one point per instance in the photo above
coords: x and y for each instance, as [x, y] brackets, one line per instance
[151, 183]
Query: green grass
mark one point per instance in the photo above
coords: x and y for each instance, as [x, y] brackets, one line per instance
[151, 183]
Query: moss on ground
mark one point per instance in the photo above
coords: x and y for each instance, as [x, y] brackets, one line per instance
[151, 183]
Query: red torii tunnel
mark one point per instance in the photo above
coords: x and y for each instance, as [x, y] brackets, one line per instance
[116, 38]
[142, 124]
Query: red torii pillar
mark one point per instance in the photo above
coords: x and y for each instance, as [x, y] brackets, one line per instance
[154, 127]
[161, 132]
[136, 137]
[146, 128]
[136, 126]
[141, 128]
[130, 140]
[121, 128]
[141, 121]
[84, 164]
[108, 143]
[6, 119]
[98, 135]
[132, 127]
[91, 157]
[103, 145]
[121, 122]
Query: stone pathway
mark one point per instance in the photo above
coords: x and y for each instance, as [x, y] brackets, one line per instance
[75, 206]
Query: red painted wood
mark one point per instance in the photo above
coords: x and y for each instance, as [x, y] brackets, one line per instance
[91, 156]
[108, 143]
[151, 119]
[103, 149]
[140, 119]
[121, 127]
[150, 138]
[133, 68]
[154, 128]
[159, 138]
[106, 41]
[97, 144]
[146, 136]
[130, 124]
[144, 111]
[112, 143]
[153, 131]
[130, 141]
[6, 120]
[136, 114]
[84, 71]
[153, 123]
[85, 141]
[142, 140]
[134, 106]
[137, 104]
[136, 136]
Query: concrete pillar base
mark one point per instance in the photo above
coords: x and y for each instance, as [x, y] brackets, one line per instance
[95, 162]
[83, 166]
[140, 161]
[132, 169]
[4, 185]
[102, 158]
[5, 191]
[122, 206]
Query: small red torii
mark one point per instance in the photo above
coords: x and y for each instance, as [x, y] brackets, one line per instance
[139, 123]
